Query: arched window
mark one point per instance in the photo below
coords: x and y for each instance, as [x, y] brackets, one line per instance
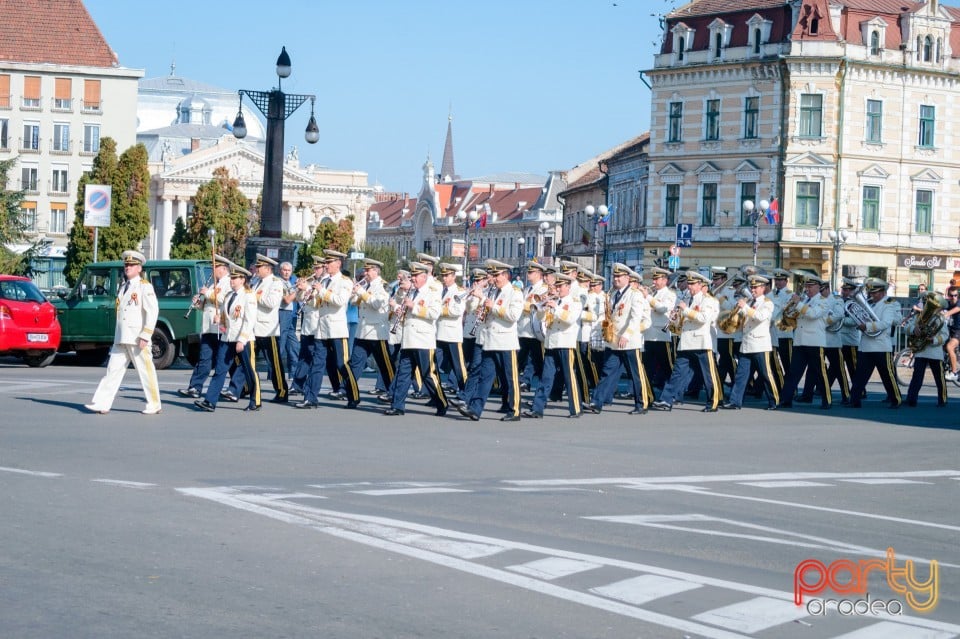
[756, 41]
[927, 49]
[718, 45]
[874, 43]
[815, 26]
[680, 48]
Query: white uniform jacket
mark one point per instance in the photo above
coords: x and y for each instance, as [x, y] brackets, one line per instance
[699, 323]
[591, 316]
[563, 323]
[137, 311]
[212, 301]
[525, 323]
[630, 316]
[812, 323]
[849, 334]
[834, 320]
[239, 315]
[780, 297]
[661, 303]
[420, 322]
[450, 322]
[935, 349]
[888, 312]
[373, 308]
[331, 302]
[500, 329]
[756, 326]
[269, 292]
[728, 302]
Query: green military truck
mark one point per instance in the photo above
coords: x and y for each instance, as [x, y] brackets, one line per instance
[87, 313]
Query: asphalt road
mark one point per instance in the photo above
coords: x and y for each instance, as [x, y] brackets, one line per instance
[336, 523]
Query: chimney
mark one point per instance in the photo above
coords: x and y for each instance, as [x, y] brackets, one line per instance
[491, 188]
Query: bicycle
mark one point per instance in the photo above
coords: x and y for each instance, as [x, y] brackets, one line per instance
[903, 366]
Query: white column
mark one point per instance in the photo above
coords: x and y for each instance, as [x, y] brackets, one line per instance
[182, 209]
[292, 221]
[164, 230]
[306, 219]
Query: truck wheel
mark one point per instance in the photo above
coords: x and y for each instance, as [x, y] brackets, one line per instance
[40, 360]
[164, 351]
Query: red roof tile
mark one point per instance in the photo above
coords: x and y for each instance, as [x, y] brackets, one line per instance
[52, 31]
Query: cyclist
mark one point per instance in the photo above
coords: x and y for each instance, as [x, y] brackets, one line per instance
[951, 317]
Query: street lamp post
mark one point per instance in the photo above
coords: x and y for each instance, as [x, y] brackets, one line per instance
[839, 238]
[596, 214]
[756, 214]
[276, 106]
[521, 242]
[468, 219]
[542, 237]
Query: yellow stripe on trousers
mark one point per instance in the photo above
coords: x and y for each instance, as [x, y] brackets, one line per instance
[574, 392]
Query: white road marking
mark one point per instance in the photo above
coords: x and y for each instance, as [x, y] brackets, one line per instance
[532, 489]
[31, 386]
[700, 479]
[35, 473]
[887, 630]
[409, 491]
[428, 543]
[753, 615]
[292, 496]
[880, 481]
[553, 568]
[640, 590]
[783, 484]
[124, 484]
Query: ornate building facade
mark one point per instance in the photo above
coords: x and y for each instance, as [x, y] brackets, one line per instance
[841, 112]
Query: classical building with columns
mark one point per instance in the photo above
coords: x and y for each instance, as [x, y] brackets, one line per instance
[185, 126]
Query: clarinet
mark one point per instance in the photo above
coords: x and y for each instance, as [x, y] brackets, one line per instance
[482, 310]
[401, 312]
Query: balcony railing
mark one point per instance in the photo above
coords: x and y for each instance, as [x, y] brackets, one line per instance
[58, 187]
[91, 107]
[29, 104]
[29, 146]
[61, 147]
[62, 105]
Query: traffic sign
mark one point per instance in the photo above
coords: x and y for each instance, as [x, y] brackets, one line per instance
[673, 262]
[685, 235]
[356, 255]
[96, 205]
[674, 250]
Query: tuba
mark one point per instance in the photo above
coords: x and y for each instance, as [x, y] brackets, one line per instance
[928, 324]
[860, 310]
[732, 321]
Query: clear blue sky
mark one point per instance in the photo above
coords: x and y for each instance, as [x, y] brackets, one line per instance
[534, 85]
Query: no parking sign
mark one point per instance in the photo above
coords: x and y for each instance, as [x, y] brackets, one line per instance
[96, 205]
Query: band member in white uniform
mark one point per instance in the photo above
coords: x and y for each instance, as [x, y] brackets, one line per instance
[373, 328]
[809, 340]
[756, 347]
[658, 353]
[210, 299]
[876, 344]
[450, 327]
[529, 328]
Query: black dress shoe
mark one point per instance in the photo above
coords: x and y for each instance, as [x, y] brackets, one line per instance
[661, 406]
[590, 408]
[505, 410]
[525, 387]
[294, 391]
[279, 400]
[306, 404]
[353, 404]
[385, 398]
[189, 392]
[229, 397]
[729, 406]
[393, 411]
[708, 409]
[574, 416]
[441, 412]
[251, 409]
[638, 411]
[510, 418]
[203, 404]
[772, 407]
[529, 414]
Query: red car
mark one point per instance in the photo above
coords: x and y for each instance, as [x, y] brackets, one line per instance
[28, 322]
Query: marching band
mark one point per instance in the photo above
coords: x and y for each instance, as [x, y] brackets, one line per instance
[562, 336]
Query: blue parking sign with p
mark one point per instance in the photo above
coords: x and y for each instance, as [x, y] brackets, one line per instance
[685, 235]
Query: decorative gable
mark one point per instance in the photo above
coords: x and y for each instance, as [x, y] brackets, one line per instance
[671, 174]
[873, 172]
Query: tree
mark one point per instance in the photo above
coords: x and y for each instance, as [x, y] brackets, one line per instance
[328, 235]
[130, 213]
[218, 205]
[80, 243]
[385, 254]
[11, 224]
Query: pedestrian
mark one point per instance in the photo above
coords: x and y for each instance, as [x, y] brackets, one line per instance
[137, 311]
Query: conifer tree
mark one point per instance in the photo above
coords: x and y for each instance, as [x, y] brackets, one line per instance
[130, 213]
[219, 204]
[328, 235]
[80, 243]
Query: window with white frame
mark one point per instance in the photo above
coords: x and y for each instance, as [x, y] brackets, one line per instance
[91, 138]
[29, 178]
[811, 115]
[751, 117]
[61, 137]
[808, 204]
[748, 191]
[671, 207]
[4, 133]
[708, 203]
[870, 208]
[58, 179]
[874, 124]
[58, 218]
[927, 127]
[874, 42]
[924, 217]
[712, 122]
[28, 217]
[31, 136]
[675, 125]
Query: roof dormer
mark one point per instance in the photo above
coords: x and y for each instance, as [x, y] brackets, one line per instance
[682, 42]
[758, 34]
[719, 39]
[873, 34]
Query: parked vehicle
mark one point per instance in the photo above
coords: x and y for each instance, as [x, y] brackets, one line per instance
[28, 322]
[88, 312]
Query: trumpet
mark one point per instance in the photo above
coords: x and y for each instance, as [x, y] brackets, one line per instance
[401, 313]
[674, 324]
[198, 300]
[482, 310]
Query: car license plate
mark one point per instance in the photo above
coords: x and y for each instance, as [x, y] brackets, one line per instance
[37, 337]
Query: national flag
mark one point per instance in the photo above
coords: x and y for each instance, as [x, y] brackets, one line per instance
[606, 218]
[773, 212]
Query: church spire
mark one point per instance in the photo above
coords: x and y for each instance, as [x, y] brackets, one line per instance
[447, 172]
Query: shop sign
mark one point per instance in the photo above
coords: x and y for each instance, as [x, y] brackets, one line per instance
[920, 261]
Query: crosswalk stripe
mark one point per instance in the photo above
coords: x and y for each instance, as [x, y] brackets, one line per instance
[880, 481]
[783, 484]
[640, 590]
[553, 567]
[409, 491]
[753, 615]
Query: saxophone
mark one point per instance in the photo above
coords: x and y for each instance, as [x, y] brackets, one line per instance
[608, 328]
[927, 325]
